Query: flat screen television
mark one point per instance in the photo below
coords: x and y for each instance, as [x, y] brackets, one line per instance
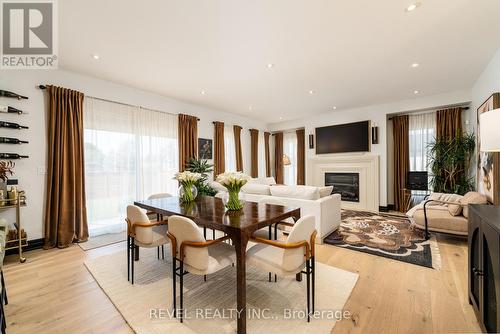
[352, 137]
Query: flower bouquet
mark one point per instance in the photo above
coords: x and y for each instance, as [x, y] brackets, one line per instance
[233, 181]
[187, 190]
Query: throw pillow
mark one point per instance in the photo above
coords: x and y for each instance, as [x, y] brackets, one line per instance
[300, 192]
[472, 197]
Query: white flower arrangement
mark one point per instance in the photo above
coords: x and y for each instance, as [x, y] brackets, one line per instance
[187, 177]
[232, 180]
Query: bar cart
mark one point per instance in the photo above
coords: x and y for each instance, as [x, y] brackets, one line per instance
[20, 242]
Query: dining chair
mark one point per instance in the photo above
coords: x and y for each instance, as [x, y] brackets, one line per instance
[141, 232]
[194, 254]
[266, 232]
[287, 258]
[157, 196]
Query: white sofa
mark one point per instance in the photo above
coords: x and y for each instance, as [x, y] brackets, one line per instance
[315, 201]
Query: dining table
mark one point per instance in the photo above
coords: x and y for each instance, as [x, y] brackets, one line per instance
[210, 212]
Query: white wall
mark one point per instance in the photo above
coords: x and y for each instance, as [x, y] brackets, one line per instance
[487, 84]
[378, 114]
[30, 172]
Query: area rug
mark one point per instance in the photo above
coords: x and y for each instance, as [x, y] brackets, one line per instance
[210, 306]
[103, 240]
[386, 235]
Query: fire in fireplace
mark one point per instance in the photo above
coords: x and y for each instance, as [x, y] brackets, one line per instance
[345, 184]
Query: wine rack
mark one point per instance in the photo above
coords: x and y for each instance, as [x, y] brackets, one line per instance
[20, 241]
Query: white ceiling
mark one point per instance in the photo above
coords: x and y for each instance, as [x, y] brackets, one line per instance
[350, 52]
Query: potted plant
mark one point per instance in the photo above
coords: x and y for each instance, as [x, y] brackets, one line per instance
[450, 160]
[202, 167]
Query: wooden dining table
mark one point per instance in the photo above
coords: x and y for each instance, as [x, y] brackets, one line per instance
[238, 225]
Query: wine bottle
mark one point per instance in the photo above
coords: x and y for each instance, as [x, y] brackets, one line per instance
[9, 156]
[8, 140]
[12, 125]
[5, 93]
[10, 110]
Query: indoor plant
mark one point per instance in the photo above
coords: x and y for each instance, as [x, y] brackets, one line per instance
[450, 160]
[187, 190]
[202, 167]
[233, 181]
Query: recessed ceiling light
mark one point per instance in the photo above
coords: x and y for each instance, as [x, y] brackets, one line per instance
[415, 65]
[281, 118]
[311, 92]
[270, 65]
[413, 6]
[416, 92]
[96, 56]
[250, 108]
[203, 92]
[334, 108]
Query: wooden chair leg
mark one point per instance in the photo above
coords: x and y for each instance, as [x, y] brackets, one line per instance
[174, 286]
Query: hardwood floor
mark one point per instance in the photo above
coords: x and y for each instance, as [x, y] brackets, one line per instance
[54, 293]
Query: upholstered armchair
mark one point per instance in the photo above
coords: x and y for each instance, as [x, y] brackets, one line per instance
[141, 232]
[194, 254]
[289, 257]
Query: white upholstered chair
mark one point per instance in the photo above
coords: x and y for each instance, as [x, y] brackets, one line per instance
[194, 254]
[267, 231]
[141, 232]
[152, 215]
[287, 258]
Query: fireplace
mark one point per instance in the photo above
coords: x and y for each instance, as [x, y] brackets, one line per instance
[345, 184]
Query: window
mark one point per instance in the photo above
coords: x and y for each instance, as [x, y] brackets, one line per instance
[290, 150]
[422, 130]
[229, 149]
[130, 153]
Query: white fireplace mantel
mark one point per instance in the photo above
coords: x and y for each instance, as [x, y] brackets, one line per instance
[366, 165]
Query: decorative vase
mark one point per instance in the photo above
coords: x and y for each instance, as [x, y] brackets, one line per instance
[233, 200]
[188, 193]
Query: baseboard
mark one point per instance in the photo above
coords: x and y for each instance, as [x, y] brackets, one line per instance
[386, 208]
[32, 245]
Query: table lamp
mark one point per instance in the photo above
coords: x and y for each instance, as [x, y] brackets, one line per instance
[490, 133]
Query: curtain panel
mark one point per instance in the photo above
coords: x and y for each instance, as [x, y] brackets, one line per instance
[130, 153]
[229, 149]
[448, 123]
[219, 157]
[65, 209]
[301, 156]
[400, 128]
[188, 139]
[254, 152]
[237, 147]
[267, 153]
[278, 160]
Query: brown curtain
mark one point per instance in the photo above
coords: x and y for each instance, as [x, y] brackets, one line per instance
[278, 157]
[65, 208]
[237, 145]
[188, 139]
[301, 156]
[448, 123]
[267, 153]
[219, 162]
[254, 152]
[400, 130]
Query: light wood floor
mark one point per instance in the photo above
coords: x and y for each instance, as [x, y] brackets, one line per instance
[54, 293]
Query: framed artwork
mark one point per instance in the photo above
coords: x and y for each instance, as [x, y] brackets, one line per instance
[488, 164]
[204, 148]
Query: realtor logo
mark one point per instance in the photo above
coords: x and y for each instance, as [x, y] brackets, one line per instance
[28, 34]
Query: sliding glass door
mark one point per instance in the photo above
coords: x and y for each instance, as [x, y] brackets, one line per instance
[130, 153]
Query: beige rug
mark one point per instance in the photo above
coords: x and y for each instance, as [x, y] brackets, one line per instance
[103, 240]
[210, 306]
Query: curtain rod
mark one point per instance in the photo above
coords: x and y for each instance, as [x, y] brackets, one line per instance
[125, 104]
[428, 110]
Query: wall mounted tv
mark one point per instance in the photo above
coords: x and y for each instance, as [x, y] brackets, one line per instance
[352, 137]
